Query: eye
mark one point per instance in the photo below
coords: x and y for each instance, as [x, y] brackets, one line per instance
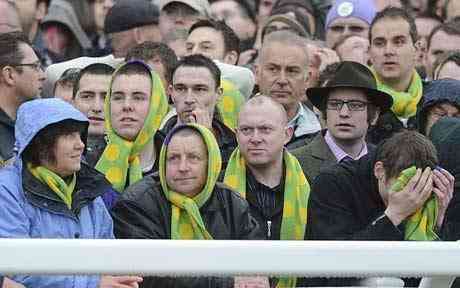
[117, 97]
[356, 29]
[337, 29]
[378, 43]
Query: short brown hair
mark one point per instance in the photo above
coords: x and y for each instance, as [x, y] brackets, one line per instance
[405, 149]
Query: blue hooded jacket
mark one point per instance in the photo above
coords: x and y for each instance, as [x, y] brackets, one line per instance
[29, 209]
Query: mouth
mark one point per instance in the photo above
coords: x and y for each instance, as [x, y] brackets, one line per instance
[281, 93]
[128, 120]
[96, 119]
[390, 64]
[184, 179]
[344, 125]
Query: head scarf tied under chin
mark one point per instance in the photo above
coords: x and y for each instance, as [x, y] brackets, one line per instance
[120, 161]
[186, 221]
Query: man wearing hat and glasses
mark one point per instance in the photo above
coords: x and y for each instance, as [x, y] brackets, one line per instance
[350, 103]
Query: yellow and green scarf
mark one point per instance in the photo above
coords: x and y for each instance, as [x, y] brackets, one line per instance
[230, 103]
[296, 193]
[186, 221]
[404, 103]
[55, 183]
[421, 225]
[120, 161]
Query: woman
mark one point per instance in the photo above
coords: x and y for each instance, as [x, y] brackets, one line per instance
[49, 193]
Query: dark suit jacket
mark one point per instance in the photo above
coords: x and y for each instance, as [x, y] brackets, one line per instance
[315, 157]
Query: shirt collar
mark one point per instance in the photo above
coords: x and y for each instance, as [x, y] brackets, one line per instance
[304, 122]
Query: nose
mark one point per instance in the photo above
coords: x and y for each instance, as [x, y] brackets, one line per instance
[98, 104]
[344, 111]
[183, 165]
[190, 98]
[78, 144]
[255, 138]
[127, 104]
[389, 49]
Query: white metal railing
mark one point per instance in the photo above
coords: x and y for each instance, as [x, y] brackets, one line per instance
[440, 260]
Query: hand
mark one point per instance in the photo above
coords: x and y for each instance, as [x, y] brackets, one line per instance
[246, 57]
[406, 202]
[7, 283]
[444, 189]
[200, 116]
[120, 282]
[323, 57]
[252, 282]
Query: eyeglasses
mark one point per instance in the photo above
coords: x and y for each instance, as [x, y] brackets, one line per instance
[36, 65]
[353, 105]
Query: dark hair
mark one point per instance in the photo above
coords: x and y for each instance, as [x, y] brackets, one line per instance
[41, 148]
[69, 78]
[10, 52]
[394, 12]
[452, 56]
[135, 67]
[198, 60]
[93, 69]
[231, 40]
[148, 50]
[450, 28]
[405, 149]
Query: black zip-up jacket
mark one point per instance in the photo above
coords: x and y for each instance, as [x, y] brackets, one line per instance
[143, 212]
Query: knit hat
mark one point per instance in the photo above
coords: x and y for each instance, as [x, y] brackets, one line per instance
[128, 14]
[201, 6]
[361, 9]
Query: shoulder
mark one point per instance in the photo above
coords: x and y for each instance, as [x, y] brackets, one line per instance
[229, 197]
[143, 193]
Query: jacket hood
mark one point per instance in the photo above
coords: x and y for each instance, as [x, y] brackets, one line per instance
[445, 135]
[35, 115]
[436, 92]
[62, 12]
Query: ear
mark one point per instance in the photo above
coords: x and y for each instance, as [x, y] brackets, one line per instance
[137, 35]
[376, 117]
[288, 132]
[231, 58]
[41, 11]
[219, 92]
[379, 171]
[7, 76]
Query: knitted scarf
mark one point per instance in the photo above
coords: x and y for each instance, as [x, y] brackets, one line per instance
[186, 221]
[421, 225]
[230, 103]
[404, 103]
[55, 183]
[120, 161]
[296, 193]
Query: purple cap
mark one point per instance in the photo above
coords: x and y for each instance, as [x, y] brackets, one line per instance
[362, 9]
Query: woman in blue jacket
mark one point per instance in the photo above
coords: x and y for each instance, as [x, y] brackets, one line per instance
[49, 193]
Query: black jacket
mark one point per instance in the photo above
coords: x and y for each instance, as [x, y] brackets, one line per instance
[6, 136]
[143, 212]
[225, 136]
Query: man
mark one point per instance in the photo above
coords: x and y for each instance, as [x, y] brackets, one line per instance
[241, 17]
[353, 48]
[136, 105]
[131, 22]
[88, 96]
[441, 98]
[350, 103]
[268, 176]
[180, 15]
[348, 17]
[357, 200]
[31, 13]
[186, 202]
[9, 18]
[444, 38]
[63, 88]
[194, 90]
[213, 39]
[425, 23]
[282, 74]
[158, 55]
[447, 66]
[393, 36]
[21, 79]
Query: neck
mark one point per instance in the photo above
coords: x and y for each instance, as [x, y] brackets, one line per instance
[351, 147]
[292, 111]
[9, 103]
[270, 175]
[400, 85]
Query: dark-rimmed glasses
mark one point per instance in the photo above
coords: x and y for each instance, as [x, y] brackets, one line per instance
[353, 105]
[35, 65]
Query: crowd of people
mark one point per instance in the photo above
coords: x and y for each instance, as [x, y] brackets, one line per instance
[228, 119]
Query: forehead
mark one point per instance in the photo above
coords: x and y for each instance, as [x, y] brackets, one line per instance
[186, 140]
[28, 52]
[280, 54]
[193, 76]
[425, 26]
[349, 21]
[256, 114]
[443, 41]
[224, 5]
[205, 34]
[94, 80]
[128, 82]
[347, 94]
[390, 27]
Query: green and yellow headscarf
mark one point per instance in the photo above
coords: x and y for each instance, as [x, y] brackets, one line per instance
[186, 221]
[404, 103]
[296, 193]
[120, 161]
[230, 103]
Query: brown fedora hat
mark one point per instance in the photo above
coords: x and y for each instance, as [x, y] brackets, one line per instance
[351, 75]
